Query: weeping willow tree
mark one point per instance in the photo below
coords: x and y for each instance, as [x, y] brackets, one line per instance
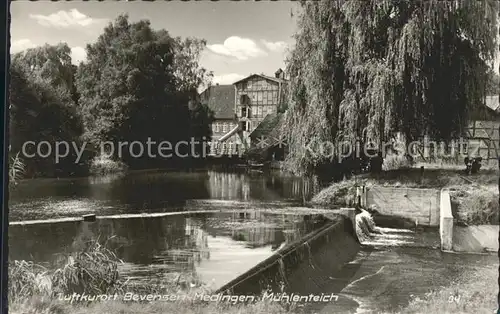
[366, 70]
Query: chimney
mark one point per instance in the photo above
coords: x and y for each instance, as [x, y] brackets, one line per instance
[280, 74]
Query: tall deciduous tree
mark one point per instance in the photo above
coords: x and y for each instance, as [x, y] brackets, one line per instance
[190, 75]
[137, 83]
[369, 69]
[38, 113]
[52, 64]
[42, 107]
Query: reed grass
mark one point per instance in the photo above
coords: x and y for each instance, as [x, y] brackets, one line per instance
[27, 279]
[33, 289]
[17, 169]
[92, 271]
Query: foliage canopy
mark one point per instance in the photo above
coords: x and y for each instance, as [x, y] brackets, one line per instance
[138, 83]
[364, 70]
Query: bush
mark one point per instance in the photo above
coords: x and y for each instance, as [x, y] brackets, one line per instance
[395, 161]
[338, 194]
[104, 165]
[475, 205]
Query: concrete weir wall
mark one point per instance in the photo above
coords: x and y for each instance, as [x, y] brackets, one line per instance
[446, 222]
[420, 205]
[471, 239]
[303, 264]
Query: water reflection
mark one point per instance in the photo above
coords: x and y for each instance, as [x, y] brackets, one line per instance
[256, 186]
[151, 191]
[217, 247]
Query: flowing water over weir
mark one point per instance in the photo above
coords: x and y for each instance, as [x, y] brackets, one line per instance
[382, 272]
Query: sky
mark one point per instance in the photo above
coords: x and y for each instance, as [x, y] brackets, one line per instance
[242, 37]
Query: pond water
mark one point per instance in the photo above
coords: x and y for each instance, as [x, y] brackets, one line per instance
[215, 247]
[155, 191]
[259, 214]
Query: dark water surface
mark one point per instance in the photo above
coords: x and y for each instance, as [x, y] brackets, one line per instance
[217, 247]
[154, 191]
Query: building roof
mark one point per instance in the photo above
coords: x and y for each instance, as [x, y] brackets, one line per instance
[269, 128]
[221, 100]
[271, 78]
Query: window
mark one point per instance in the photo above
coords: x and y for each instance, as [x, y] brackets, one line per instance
[259, 97]
[244, 111]
[275, 97]
[224, 127]
[243, 126]
[259, 111]
[216, 128]
[244, 100]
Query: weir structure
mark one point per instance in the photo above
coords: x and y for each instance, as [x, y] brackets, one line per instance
[307, 264]
[431, 208]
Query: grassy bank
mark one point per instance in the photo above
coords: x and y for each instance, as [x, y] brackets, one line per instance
[476, 293]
